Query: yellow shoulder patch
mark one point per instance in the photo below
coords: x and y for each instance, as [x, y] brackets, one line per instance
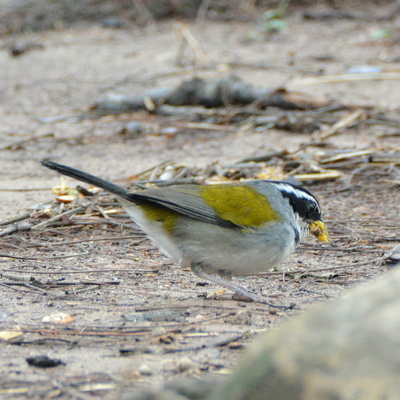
[163, 215]
[241, 205]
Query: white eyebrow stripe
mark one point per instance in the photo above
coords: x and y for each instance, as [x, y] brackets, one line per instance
[290, 189]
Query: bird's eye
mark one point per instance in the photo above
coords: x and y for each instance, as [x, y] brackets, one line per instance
[313, 210]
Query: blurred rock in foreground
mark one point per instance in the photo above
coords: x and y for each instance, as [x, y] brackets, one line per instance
[345, 349]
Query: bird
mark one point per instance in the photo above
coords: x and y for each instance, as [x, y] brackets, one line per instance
[219, 230]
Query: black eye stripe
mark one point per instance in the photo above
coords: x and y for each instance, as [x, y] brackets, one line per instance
[302, 201]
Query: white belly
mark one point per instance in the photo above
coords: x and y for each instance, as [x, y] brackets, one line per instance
[219, 250]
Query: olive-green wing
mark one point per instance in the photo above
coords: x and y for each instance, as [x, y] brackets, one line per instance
[225, 205]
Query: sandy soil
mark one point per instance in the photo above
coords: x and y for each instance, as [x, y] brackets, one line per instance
[113, 345]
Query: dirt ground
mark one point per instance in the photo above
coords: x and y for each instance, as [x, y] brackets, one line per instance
[139, 320]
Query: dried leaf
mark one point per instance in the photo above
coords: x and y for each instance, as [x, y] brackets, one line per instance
[63, 189]
[67, 198]
[10, 335]
[327, 174]
[58, 318]
[345, 155]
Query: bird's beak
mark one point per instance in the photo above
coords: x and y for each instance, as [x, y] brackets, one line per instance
[317, 228]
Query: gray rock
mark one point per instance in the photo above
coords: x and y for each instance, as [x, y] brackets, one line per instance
[346, 349]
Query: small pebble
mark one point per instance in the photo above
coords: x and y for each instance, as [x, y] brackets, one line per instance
[145, 370]
[158, 331]
[133, 127]
[235, 346]
[184, 364]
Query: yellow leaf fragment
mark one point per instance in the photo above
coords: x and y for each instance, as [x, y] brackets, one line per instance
[62, 189]
[326, 174]
[113, 211]
[12, 334]
[66, 198]
[58, 318]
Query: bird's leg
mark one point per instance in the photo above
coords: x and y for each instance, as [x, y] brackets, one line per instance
[197, 268]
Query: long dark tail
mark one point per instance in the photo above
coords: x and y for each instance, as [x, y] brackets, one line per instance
[88, 178]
